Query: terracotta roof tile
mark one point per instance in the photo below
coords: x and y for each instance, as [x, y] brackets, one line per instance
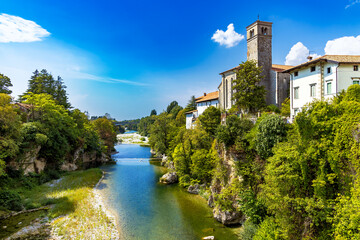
[209, 97]
[275, 67]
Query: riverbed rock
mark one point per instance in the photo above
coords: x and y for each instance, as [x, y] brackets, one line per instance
[164, 160]
[169, 178]
[208, 238]
[211, 201]
[194, 189]
[66, 166]
[229, 217]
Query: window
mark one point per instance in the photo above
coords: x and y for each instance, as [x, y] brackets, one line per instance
[328, 88]
[312, 90]
[296, 74]
[328, 70]
[356, 67]
[313, 69]
[296, 93]
[356, 81]
[251, 33]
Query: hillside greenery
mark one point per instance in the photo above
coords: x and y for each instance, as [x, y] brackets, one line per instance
[295, 181]
[43, 123]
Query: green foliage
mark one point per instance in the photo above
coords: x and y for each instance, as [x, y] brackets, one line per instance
[9, 131]
[44, 82]
[273, 108]
[55, 122]
[171, 106]
[268, 229]
[153, 112]
[248, 231]
[10, 200]
[145, 125]
[271, 130]
[248, 94]
[160, 133]
[353, 93]
[253, 207]
[5, 83]
[234, 130]
[210, 119]
[106, 130]
[191, 104]
[285, 108]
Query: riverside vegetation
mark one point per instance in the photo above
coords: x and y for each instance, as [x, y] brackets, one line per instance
[43, 137]
[279, 180]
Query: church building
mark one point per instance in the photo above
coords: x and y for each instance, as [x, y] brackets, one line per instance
[259, 48]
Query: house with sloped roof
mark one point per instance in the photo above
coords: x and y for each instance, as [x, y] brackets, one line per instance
[321, 78]
[259, 49]
[202, 103]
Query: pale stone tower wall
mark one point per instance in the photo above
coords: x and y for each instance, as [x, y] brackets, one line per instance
[259, 45]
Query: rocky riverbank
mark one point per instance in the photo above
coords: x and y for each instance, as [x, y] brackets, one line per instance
[77, 210]
[132, 138]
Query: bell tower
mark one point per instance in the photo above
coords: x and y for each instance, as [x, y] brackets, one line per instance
[259, 45]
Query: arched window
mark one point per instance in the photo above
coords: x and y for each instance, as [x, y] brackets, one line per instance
[251, 33]
[264, 30]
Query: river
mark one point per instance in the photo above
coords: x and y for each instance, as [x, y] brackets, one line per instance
[148, 210]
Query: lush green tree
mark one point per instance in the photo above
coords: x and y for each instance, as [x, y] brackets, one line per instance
[191, 104]
[353, 93]
[5, 83]
[145, 125]
[159, 134]
[9, 131]
[210, 119]
[271, 130]
[153, 112]
[285, 108]
[248, 94]
[44, 82]
[234, 130]
[172, 105]
[55, 122]
[107, 133]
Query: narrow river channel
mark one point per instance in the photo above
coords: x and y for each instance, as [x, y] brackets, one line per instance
[149, 210]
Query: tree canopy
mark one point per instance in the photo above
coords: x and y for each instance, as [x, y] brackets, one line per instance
[5, 83]
[248, 94]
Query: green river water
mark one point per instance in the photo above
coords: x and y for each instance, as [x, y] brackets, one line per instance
[148, 210]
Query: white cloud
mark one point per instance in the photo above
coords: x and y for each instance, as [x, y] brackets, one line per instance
[343, 46]
[298, 54]
[17, 29]
[352, 2]
[229, 38]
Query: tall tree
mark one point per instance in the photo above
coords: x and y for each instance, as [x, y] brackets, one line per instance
[44, 82]
[153, 112]
[191, 104]
[172, 105]
[5, 83]
[248, 94]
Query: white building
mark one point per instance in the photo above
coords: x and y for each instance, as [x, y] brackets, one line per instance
[202, 103]
[321, 78]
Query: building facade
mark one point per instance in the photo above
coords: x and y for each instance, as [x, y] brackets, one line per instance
[321, 78]
[259, 48]
[202, 103]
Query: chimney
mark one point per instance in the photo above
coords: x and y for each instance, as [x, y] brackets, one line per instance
[204, 94]
[310, 58]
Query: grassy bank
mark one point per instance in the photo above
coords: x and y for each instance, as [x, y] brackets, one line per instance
[76, 210]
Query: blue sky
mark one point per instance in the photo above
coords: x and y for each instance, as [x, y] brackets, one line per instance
[128, 57]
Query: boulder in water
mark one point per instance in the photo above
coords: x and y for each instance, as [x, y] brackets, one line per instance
[169, 178]
[229, 217]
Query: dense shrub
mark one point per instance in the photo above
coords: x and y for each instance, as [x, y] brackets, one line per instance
[271, 130]
[10, 200]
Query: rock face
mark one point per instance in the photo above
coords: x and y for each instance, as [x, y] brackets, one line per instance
[30, 162]
[169, 178]
[195, 189]
[228, 217]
